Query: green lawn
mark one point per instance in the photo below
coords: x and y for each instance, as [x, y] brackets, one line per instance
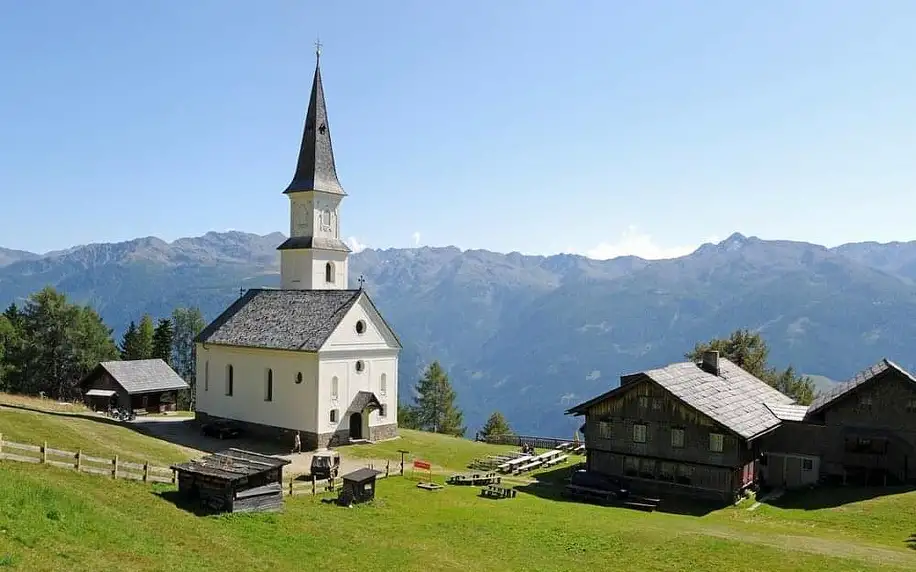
[95, 437]
[53, 519]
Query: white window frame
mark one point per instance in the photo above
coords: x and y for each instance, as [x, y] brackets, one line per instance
[605, 429]
[335, 388]
[383, 384]
[716, 442]
[640, 433]
[678, 443]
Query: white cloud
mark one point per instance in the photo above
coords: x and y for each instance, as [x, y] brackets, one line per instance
[632, 242]
[416, 238]
[355, 245]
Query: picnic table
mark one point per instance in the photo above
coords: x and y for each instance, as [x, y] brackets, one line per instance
[474, 479]
[497, 492]
[507, 466]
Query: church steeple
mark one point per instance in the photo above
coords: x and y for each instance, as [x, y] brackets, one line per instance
[314, 257]
[315, 170]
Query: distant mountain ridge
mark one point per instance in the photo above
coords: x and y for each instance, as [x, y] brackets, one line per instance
[529, 335]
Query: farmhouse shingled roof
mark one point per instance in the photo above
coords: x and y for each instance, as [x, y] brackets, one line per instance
[788, 412]
[299, 320]
[315, 169]
[735, 399]
[141, 376]
[861, 378]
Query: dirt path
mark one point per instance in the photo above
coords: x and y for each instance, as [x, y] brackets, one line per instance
[815, 545]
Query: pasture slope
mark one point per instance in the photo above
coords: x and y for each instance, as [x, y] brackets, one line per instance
[59, 520]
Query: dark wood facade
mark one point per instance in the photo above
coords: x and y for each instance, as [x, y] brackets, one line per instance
[654, 442]
[234, 481]
[866, 435]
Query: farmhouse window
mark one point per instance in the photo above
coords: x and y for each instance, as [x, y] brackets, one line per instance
[684, 474]
[643, 401]
[605, 429]
[716, 442]
[911, 406]
[647, 469]
[807, 465]
[666, 472]
[639, 433]
[865, 401]
[656, 403]
[631, 466]
[677, 438]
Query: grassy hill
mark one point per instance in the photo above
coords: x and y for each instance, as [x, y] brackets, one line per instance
[55, 519]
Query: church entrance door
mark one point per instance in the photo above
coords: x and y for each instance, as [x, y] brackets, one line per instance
[356, 426]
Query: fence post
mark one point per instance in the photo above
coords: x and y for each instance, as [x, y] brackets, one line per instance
[174, 476]
[44, 452]
[314, 485]
[114, 470]
[79, 460]
[291, 486]
[146, 471]
[387, 467]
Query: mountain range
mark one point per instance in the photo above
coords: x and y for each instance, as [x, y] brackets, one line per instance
[532, 335]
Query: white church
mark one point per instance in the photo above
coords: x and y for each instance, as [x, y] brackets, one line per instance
[314, 356]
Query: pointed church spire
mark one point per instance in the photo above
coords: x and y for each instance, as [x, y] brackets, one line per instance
[315, 170]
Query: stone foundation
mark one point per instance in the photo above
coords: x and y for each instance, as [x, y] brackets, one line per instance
[310, 440]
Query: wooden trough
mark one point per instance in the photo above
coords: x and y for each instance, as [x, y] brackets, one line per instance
[234, 481]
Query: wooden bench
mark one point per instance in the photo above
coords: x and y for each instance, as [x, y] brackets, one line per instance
[556, 460]
[528, 467]
[497, 492]
[474, 479]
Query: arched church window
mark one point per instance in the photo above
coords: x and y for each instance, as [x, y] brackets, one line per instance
[269, 386]
[334, 387]
[329, 272]
[299, 377]
[383, 384]
[229, 380]
[360, 366]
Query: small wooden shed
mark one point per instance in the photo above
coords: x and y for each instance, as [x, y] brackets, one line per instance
[234, 481]
[359, 486]
[141, 386]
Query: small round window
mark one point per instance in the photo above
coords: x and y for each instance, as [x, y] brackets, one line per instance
[360, 327]
[359, 366]
[299, 377]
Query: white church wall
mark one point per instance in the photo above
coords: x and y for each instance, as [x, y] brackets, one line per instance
[379, 368]
[293, 404]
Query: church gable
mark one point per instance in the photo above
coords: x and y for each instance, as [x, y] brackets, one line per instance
[362, 328]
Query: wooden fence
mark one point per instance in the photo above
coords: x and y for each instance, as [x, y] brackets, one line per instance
[536, 442]
[115, 468]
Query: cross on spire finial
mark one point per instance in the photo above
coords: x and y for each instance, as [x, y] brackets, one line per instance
[361, 281]
[317, 47]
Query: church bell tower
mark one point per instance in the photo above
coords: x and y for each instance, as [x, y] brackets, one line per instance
[314, 257]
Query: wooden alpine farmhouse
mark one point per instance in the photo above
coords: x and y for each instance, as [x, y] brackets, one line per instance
[143, 386]
[234, 481]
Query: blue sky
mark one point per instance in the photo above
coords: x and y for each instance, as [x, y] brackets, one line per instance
[599, 127]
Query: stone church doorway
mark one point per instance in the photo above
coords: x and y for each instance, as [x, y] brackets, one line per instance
[356, 426]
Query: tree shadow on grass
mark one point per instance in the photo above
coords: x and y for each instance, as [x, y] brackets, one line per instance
[550, 485]
[832, 496]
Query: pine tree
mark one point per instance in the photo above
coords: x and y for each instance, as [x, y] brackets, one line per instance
[496, 426]
[162, 340]
[130, 343]
[186, 324]
[749, 351]
[145, 332]
[407, 417]
[435, 403]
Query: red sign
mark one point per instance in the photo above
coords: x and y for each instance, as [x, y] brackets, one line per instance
[421, 465]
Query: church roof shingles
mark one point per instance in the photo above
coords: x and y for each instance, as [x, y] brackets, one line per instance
[299, 320]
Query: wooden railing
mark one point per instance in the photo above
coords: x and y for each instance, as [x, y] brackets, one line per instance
[519, 440]
[79, 461]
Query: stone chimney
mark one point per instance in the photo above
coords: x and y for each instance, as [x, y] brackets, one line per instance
[710, 363]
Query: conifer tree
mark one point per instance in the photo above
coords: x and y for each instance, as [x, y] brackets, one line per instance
[162, 340]
[435, 403]
[145, 332]
[496, 426]
[130, 343]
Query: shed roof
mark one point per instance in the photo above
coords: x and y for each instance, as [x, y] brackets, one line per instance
[139, 376]
[863, 377]
[735, 399]
[299, 320]
[232, 464]
[361, 475]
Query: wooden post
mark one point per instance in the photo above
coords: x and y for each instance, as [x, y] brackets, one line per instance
[114, 470]
[291, 486]
[174, 476]
[1, 445]
[79, 460]
[387, 467]
[314, 485]
[44, 452]
[146, 471]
